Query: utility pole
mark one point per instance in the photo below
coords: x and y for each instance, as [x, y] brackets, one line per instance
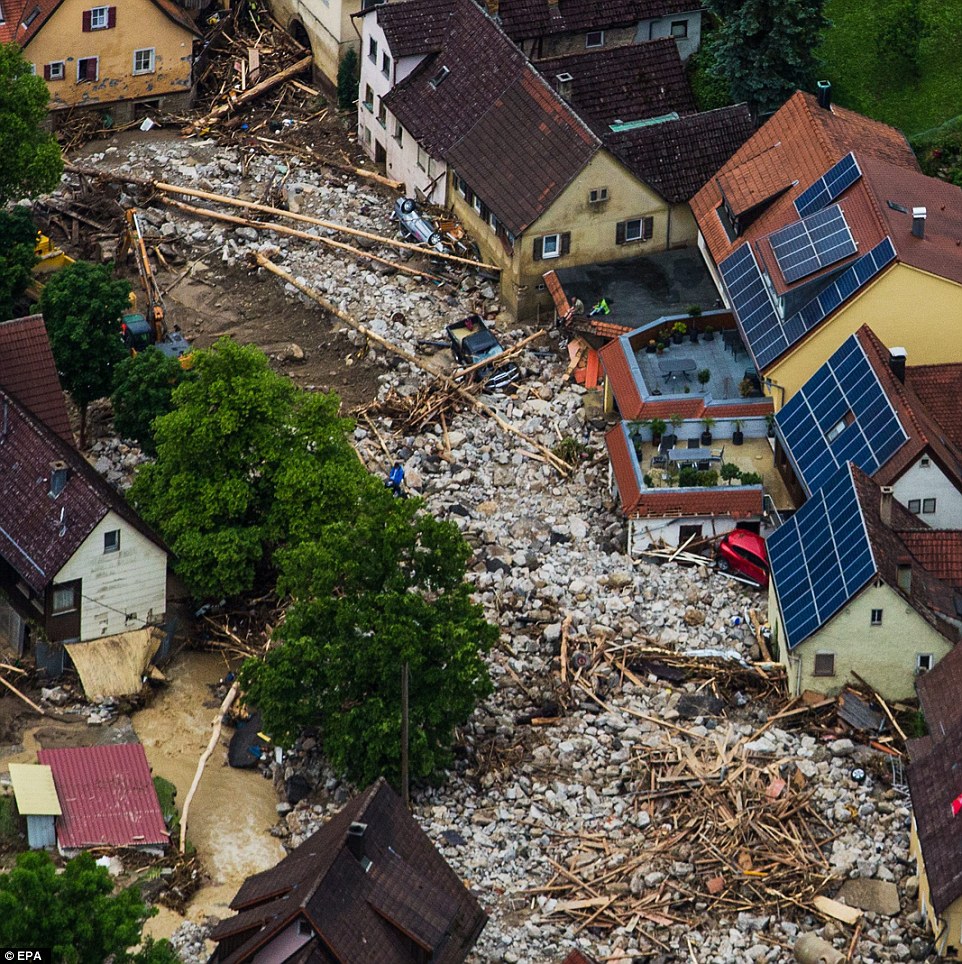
[405, 788]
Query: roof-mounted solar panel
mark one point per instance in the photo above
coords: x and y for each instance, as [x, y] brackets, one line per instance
[815, 242]
[832, 184]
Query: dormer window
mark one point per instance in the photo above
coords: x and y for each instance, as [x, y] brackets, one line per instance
[29, 19]
[439, 77]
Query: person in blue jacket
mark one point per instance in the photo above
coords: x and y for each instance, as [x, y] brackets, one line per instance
[395, 480]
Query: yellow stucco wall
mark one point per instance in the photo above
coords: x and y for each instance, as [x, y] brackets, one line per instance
[592, 228]
[140, 25]
[884, 655]
[948, 927]
[905, 306]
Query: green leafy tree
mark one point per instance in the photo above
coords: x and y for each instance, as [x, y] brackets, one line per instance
[764, 49]
[18, 236]
[75, 913]
[371, 594]
[82, 305]
[246, 462]
[348, 77]
[143, 386]
[900, 30]
[31, 164]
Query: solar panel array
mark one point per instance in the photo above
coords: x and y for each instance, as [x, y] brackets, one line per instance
[844, 389]
[820, 558]
[767, 335]
[821, 239]
[837, 179]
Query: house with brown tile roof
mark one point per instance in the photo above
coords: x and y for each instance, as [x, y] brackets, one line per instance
[28, 372]
[77, 565]
[848, 593]
[861, 406]
[368, 886]
[821, 223]
[465, 121]
[120, 61]
[551, 28]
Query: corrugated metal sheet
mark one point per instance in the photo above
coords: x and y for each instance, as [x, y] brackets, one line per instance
[34, 790]
[41, 833]
[107, 795]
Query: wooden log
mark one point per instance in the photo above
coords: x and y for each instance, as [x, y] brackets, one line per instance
[13, 689]
[293, 232]
[495, 362]
[204, 757]
[558, 464]
[248, 95]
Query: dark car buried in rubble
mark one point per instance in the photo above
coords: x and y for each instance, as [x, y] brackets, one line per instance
[472, 341]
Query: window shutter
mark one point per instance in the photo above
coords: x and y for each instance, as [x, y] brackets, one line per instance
[647, 228]
[111, 16]
[620, 232]
[86, 21]
[538, 248]
[566, 242]
[46, 71]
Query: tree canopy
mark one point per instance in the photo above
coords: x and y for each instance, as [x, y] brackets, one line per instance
[82, 305]
[765, 49]
[18, 236]
[143, 386]
[245, 462]
[372, 593]
[75, 913]
[32, 164]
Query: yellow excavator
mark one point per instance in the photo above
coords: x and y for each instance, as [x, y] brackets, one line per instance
[50, 259]
[138, 331]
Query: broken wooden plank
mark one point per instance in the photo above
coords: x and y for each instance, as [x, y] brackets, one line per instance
[837, 910]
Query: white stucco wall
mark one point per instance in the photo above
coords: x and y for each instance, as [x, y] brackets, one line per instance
[661, 27]
[641, 532]
[930, 482]
[132, 580]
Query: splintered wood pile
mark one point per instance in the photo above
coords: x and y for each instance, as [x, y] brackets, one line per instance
[431, 404]
[244, 633]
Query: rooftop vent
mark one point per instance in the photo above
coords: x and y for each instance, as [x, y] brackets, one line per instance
[59, 473]
[355, 843]
[885, 505]
[918, 222]
[897, 359]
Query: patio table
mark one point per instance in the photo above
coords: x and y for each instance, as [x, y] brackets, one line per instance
[673, 367]
[682, 456]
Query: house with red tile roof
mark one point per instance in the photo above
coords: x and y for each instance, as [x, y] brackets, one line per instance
[549, 28]
[77, 565]
[860, 584]
[107, 799]
[862, 406]
[822, 222]
[368, 886]
[454, 110]
[123, 62]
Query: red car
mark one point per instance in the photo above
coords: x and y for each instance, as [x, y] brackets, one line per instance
[743, 554]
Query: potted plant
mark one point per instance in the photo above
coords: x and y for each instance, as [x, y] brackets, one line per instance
[707, 424]
[709, 333]
[746, 388]
[770, 422]
[651, 346]
[737, 437]
[687, 389]
[660, 348]
[678, 331]
[672, 439]
[751, 478]
[693, 312]
[730, 472]
[704, 377]
[657, 426]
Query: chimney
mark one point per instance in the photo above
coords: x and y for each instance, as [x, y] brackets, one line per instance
[885, 506]
[355, 840]
[918, 222]
[897, 358]
[59, 473]
[562, 83]
[824, 94]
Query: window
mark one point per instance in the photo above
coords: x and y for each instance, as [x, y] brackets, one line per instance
[398, 132]
[876, 617]
[598, 195]
[439, 77]
[687, 532]
[54, 71]
[925, 461]
[386, 66]
[915, 506]
[679, 29]
[903, 576]
[836, 430]
[2, 20]
[928, 506]
[637, 229]
[144, 61]
[595, 38]
[382, 115]
[924, 662]
[462, 185]
[369, 98]
[372, 50]
[824, 664]
[99, 18]
[29, 19]
[64, 599]
[367, 135]
[87, 68]
[552, 245]
[422, 158]
[477, 204]
[112, 541]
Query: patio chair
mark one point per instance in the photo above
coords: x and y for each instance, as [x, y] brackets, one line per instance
[694, 443]
[718, 454]
[658, 462]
